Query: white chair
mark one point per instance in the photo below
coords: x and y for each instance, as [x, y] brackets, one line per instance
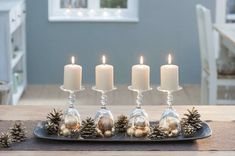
[210, 80]
[220, 11]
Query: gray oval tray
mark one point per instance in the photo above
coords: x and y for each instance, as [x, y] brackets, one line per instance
[204, 132]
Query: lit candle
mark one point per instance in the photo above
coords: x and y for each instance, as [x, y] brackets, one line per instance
[140, 76]
[169, 76]
[104, 76]
[72, 76]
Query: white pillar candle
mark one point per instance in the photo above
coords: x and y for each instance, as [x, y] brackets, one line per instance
[169, 76]
[140, 76]
[72, 76]
[104, 76]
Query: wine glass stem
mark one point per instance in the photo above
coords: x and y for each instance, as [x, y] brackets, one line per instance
[103, 100]
[169, 99]
[72, 99]
[139, 99]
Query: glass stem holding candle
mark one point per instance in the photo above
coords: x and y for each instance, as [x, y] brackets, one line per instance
[72, 85]
[72, 118]
[138, 124]
[104, 99]
[169, 99]
[170, 121]
[169, 80]
[72, 99]
[104, 83]
[139, 99]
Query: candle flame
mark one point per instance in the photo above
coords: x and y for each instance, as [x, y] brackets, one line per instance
[141, 60]
[103, 59]
[169, 59]
[72, 59]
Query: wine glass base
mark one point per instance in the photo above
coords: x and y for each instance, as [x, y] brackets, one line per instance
[170, 122]
[138, 111]
[72, 119]
[104, 122]
[138, 123]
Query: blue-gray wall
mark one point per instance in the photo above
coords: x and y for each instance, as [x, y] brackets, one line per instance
[164, 25]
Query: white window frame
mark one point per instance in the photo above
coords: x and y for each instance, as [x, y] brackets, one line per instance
[93, 13]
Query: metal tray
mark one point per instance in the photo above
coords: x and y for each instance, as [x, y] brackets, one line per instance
[204, 132]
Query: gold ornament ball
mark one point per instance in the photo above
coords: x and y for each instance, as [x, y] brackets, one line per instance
[175, 132]
[108, 133]
[140, 122]
[105, 123]
[65, 132]
[170, 125]
[146, 131]
[130, 131]
[62, 127]
[71, 122]
[173, 123]
[99, 132]
[164, 124]
[138, 133]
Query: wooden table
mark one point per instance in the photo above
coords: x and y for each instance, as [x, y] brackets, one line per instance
[215, 113]
[227, 37]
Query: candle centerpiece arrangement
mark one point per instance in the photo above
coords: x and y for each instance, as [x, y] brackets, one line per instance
[170, 121]
[104, 83]
[72, 85]
[138, 124]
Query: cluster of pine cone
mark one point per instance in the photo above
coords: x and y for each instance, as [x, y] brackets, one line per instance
[16, 134]
[191, 123]
[156, 133]
[121, 124]
[88, 129]
[54, 118]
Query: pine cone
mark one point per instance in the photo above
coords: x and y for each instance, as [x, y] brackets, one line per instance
[75, 134]
[51, 128]
[18, 132]
[193, 119]
[5, 140]
[156, 133]
[88, 130]
[55, 116]
[121, 124]
[189, 131]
